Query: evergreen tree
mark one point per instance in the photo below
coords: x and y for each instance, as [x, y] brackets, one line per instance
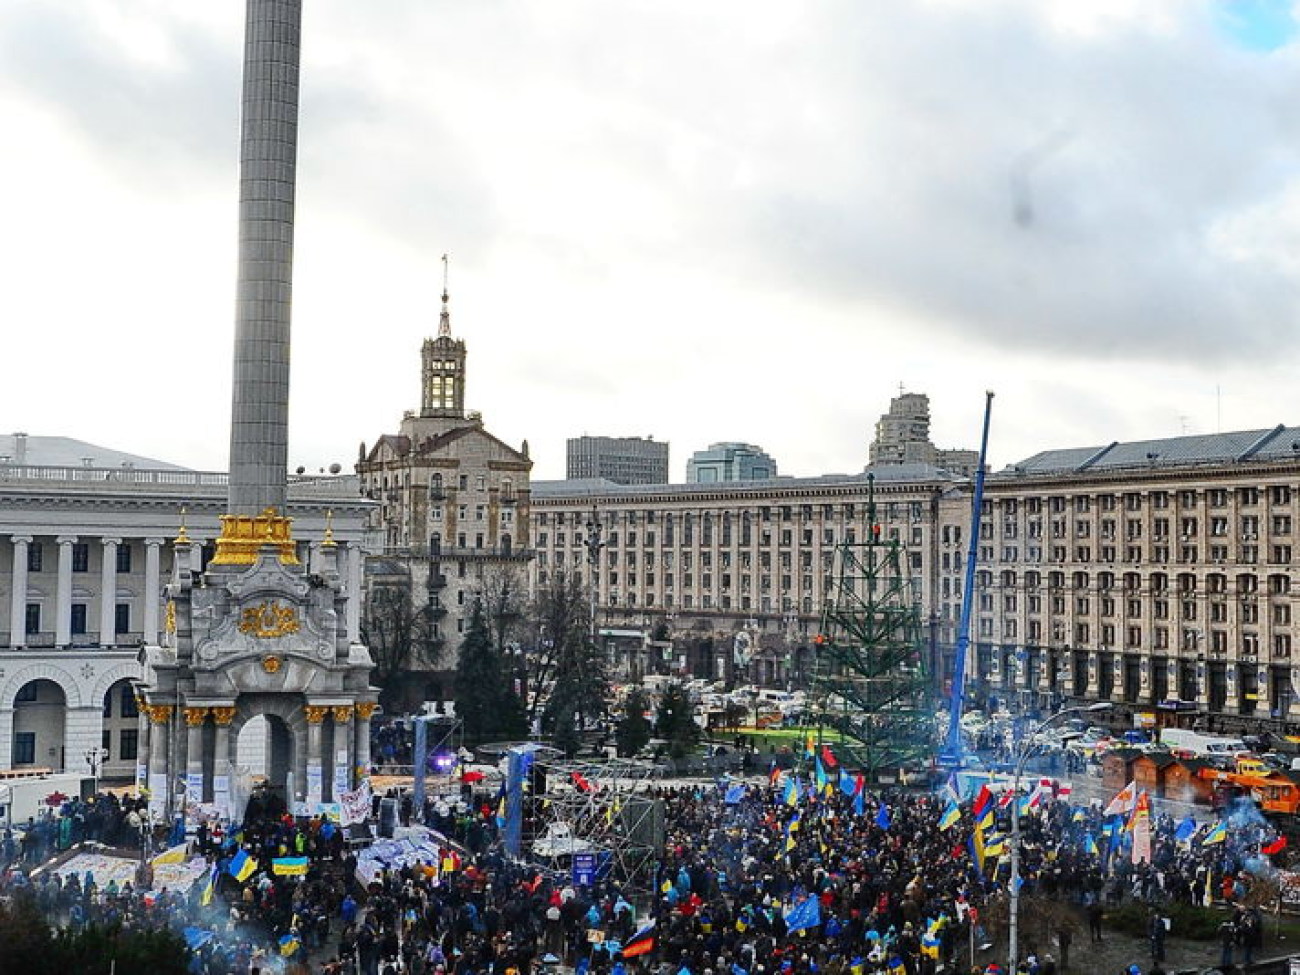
[633, 731]
[486, 702]
[578, 699]
[675, 720]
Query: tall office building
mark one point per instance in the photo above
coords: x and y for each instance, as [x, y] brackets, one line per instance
[729, 462]
[903, 437]
[623, 460]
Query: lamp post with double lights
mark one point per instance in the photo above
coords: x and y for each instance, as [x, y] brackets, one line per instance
[1026, 751]
[95, 759]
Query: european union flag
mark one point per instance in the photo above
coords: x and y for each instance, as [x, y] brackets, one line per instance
[859, 804]
[848, 785]
[805, 914]
[882, 816]
[734, 794]
[1185, 830]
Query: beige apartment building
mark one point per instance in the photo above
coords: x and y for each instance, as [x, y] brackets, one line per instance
[1156, 574]
[736, 571]
[1159, 574]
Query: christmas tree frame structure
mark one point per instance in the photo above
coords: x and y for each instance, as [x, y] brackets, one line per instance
[872, 685]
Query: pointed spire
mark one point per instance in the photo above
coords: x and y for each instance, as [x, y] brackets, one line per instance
[444, 322]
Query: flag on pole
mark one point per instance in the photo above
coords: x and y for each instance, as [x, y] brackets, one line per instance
[175, 854]
[242, 866]
[1217, 834]
[983, 802]
[828, 756]
[791, 796]
[1185, 831]
[1142, 829]
[951, 816]
[642, 942]
[1089, 845]
[209, 887]
[803, 914]
[882, 816]
[1274, 848]
[1123, 802]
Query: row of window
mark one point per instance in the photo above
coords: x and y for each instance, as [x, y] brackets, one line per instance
[127, 748]
[848, 511]
[1133, 500]
[79, 613]
[1189, 641]
[36, 560]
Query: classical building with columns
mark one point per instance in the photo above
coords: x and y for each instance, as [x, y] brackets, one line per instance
[1158, 574]
[85, 554]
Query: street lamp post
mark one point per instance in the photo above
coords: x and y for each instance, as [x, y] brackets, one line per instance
[1025, 752]
[95, 758]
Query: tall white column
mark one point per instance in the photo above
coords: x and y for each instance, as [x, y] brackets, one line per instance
[152, 589]
[63, 600]
[355, 558]
[108, 592]
[18, 598]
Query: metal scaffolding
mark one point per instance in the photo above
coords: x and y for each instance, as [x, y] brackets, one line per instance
[605, 809]
[871, 683]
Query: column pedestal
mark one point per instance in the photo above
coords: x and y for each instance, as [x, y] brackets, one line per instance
[342, 750]
[315, 772]
[194, 759]
[361, 740]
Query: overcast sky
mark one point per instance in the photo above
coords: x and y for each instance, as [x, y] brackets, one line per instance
[722, 220]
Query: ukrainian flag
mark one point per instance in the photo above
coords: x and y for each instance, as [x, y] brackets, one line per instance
[995, 846]
[951, 816]
[1217, 834]
[289, 866]
[1089, 844]
[289, 944]
[791, 796]
[210, 887]
[242, 866]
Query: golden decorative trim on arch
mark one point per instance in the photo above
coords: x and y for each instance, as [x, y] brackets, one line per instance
[315, 713]
[342, 713]
[271, 663]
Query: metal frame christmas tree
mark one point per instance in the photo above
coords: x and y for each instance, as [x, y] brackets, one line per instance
[872, 684]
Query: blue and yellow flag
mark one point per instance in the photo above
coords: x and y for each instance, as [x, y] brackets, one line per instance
[791, 796]
[951, 816]
[1217, 834]
[209, 887]
[1089, 845]
[289, 944]
[242, 866]
[995, 846]
[289, 866]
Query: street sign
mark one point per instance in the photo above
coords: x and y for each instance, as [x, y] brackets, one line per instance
[584, 869]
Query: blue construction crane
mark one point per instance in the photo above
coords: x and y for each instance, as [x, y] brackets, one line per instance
[950, 754]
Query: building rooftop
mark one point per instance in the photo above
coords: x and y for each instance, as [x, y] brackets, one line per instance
[37, 451]
[1244, 446]
[599, 487]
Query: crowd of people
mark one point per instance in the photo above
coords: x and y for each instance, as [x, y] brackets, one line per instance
[768, 878]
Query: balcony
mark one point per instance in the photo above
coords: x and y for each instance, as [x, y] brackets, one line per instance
[466, 553]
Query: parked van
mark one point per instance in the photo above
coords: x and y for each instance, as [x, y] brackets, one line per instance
[1182, 739]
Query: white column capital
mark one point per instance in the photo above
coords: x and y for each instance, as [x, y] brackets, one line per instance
[106, 542]
[155, 542]
[66, 539]
[21, 539]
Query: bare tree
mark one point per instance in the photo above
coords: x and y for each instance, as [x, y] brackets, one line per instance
[505, 606]
[560, 616]
[400, 636]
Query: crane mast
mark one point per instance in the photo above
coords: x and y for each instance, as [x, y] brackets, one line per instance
[950, 755]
